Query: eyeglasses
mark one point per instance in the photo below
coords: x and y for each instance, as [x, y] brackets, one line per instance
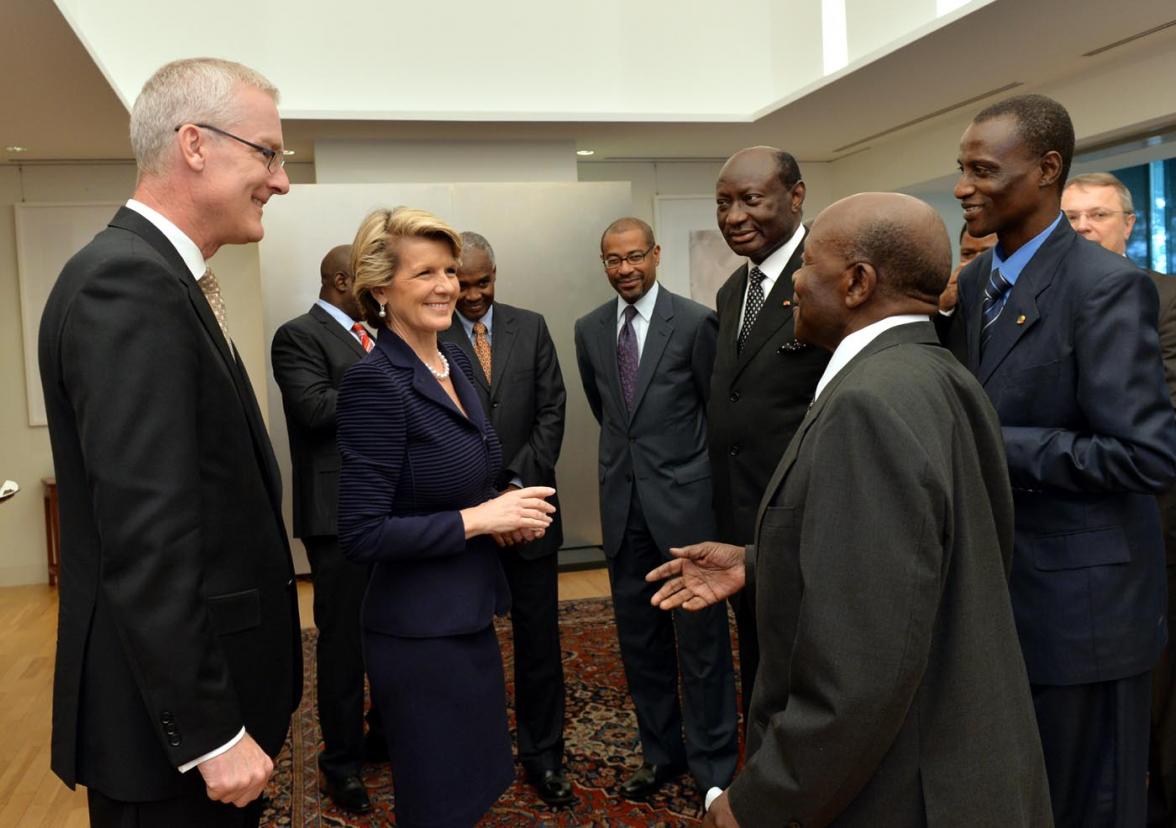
[634, 258]
[1098, 215]
[274, 159]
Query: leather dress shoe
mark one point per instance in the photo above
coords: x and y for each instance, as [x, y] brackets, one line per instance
[648, 779]
[348, 793]
[553, 788]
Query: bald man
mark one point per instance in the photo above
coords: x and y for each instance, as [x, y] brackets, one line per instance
[891, 688]
[310, 355]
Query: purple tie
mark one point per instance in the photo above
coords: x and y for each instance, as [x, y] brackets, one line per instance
[627, 357]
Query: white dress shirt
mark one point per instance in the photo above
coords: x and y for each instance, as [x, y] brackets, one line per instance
[771, 267]
[194, 260]
[644, 307]
[853, 344]
[339, 316]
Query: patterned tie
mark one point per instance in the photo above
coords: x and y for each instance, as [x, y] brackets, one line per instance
[482, 348]
[210, 287]
[994, 292]
[364, 340]
[755, 303]
[627, 357]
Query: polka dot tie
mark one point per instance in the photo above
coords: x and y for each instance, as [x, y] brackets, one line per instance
[482, 348]
[210, 287]
[755, 303]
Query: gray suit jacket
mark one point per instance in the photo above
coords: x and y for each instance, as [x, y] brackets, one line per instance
[661, 447]
[525, 402]
[891, 690]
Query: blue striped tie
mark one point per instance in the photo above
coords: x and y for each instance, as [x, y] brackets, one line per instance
[994, 293]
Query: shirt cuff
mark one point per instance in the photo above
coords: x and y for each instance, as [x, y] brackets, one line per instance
[711, 796]
[949, 312]
[212, 754]
[516, 481]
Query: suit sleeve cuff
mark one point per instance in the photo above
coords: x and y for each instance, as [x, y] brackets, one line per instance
[212, 754]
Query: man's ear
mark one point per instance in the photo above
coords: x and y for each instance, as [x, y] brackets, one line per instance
[861, 280]
[1051, 169]
[342, 282]
[193, 148]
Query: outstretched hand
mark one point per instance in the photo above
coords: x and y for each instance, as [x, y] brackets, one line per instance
[700, 575]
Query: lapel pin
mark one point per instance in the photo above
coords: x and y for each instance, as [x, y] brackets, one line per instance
[787, 303]
[1021, 319]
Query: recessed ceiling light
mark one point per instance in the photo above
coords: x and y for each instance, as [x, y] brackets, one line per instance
[15, 148]
[585, 152]
[287, 153]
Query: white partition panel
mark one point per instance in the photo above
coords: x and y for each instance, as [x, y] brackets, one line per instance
[546, 240]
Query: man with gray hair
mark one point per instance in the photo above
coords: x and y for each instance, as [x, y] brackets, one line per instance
[178, 653]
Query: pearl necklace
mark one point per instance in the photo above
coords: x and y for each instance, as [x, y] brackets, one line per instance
[443, 374]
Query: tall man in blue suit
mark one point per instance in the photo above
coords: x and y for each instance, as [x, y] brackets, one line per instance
[1062, 335]
[645, 362]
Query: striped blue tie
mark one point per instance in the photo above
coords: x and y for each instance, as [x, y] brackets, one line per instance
[994, 293]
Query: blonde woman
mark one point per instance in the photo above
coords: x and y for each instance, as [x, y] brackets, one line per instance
[416, 499]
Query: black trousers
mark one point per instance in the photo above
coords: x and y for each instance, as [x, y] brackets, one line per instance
[538, 662]
[194, 810]
[654, 645]
[339, 586]
[1095, 738]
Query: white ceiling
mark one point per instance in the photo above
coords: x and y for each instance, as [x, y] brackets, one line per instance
[55, 100]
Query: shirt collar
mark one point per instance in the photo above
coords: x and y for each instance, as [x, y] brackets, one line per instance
[774, 265]
[853, 344]
[487, 320]
[644, 305]
[336, 313]
[187, 248]
[1011, 267]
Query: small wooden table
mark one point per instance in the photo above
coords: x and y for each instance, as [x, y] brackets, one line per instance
[52, 528]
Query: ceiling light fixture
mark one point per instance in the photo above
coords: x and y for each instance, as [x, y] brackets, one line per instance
[585, 153]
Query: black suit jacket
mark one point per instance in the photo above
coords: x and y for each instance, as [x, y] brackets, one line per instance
[660, 447]
[310, 354]
[757, 398]
[525, 403]
[891, 690]
[1073, 369]
[178, 613]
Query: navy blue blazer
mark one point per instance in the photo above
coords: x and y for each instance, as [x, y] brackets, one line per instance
[1073, 369]
[411, 461]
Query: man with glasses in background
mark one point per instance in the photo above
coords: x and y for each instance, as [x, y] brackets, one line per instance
[1099, 207]
[178, 646]
[645, 362]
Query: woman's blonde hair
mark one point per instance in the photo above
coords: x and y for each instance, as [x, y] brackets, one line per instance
[374, 256]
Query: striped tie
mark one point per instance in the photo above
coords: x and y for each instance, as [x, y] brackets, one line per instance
[994, 295]
[364, 339]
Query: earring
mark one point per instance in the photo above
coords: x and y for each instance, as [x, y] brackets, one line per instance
[382, 312]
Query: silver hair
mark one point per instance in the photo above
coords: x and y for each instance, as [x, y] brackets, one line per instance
[184, 92]
[476, 241]
[1101, 179]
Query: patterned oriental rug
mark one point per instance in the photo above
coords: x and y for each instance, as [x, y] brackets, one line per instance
[600, 739]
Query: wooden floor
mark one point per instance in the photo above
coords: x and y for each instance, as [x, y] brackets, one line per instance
[30, 795]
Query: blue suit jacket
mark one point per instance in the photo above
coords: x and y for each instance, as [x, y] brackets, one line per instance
[1073, 369]
[411, 462]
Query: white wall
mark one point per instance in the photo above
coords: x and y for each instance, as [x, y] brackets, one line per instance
[364, 162]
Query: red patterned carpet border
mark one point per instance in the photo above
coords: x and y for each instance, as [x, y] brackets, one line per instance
[600, 737]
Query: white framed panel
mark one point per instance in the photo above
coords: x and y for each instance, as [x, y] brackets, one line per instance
[690, 255]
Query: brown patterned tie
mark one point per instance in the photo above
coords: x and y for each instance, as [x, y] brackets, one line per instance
[210, 287]
[482, 348]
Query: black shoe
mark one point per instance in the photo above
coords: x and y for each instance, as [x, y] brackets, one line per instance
[553, 788]
[648, 780]
[348, 793]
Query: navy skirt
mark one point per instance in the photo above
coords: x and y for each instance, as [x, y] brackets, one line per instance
[443, 701]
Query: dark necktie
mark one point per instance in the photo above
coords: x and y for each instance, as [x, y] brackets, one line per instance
[994, 292]
[364, 339]
[755, 303]
[627, 357]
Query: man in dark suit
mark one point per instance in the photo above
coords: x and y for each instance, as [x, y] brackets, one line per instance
[645, 362]
[1061, 334]
[310, 354]
[178, 651]
[891, 690]
[1099, 207]
[764, 377]
[522, 392]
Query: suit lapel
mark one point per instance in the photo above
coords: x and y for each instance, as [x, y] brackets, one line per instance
[425, 385]
[656, 337]
[503, 337]
[336, 330]
[972, 282]
[774, 316]
[1020, 312]
[607, 345]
